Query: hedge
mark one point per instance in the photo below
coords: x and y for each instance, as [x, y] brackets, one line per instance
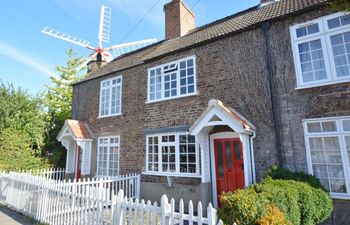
[300, 203]
[280, 173]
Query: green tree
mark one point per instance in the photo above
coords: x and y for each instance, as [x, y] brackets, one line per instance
[22, 129]
[58, 100]
[340, 5]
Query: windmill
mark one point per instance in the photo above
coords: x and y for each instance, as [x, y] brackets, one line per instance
[100, 54]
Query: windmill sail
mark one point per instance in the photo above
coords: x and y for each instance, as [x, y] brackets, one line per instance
[66, 37]
[100, 54]
[131, 46]
[105, 25]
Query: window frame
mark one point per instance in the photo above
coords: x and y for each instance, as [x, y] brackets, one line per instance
[177, 172]
[340, 134]
[178, 86]
[110, 95]
[108, 161]
[324, 35]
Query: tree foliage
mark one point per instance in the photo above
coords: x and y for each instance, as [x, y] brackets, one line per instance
[58, 100]
[340, 5]
[22, 129]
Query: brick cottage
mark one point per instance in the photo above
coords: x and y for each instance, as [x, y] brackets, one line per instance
[210, 108]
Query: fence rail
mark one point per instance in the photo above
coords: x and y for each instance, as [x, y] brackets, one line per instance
[102, 201]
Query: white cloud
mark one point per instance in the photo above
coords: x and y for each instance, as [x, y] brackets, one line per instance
[18, 55]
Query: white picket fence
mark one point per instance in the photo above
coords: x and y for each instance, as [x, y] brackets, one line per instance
[96, 202]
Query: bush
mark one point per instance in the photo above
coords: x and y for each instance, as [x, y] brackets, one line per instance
[280, 173]
[300, 204]
[273, 216]
[243, 207]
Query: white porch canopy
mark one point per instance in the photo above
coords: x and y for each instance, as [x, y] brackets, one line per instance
[218, 114]
[76, 133]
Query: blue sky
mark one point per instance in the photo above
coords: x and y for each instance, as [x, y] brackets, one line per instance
[28, 57]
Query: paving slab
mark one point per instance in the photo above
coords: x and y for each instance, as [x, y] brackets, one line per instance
[11, 217]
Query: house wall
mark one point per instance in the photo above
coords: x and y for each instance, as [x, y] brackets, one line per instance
[295, 105]
[233, 70]
[223, 72]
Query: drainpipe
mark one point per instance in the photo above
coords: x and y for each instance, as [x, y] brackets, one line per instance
[265, 28]
[252, 163]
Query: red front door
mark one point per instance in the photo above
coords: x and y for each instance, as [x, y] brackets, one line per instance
[78, 175]
[229, 165]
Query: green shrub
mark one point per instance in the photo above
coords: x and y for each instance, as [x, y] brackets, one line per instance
[280, 173]
[300, 203]
[282, 194]
[273, 216]
[243, 207]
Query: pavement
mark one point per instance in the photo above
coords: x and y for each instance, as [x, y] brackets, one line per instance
[11, 217]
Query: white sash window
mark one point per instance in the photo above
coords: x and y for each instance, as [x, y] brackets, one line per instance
[108, 156]
[110, 97]
[321, 50]
[328, 151]
[172, 80]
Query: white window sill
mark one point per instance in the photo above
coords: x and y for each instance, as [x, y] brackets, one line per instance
[341, 196]
[106, 116]
[166, 99]
[172, 174]
[322, 84]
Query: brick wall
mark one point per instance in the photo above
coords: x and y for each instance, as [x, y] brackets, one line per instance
[233, 70]
[223, 72]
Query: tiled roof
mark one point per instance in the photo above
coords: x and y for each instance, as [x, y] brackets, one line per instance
[79, 129]
[230, 112]
[229, 25]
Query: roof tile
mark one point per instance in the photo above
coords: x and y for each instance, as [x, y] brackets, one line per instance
[235, 23]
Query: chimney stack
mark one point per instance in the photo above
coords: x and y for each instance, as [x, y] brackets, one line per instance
[96, 63]
[179, 19]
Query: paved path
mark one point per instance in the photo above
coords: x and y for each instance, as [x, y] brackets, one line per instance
[10, 217]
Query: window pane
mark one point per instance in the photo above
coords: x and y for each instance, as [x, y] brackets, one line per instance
[329, 126]
[345, 20]
[228, 155]
[333, 23]
[327, 161]
[346, 125]
[301, 32]
[314, 127]
[347, 147]
[220, 161]
[341, 54]
[304, 31]
[312, 61]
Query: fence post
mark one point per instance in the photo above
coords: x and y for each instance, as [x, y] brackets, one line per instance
[211, 213]
[138, 186]
[164, 204]
[118, 209]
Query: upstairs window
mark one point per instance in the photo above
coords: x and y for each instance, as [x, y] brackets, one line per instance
[321, 50]
[110, 97]
[171, 80]
[328, 152]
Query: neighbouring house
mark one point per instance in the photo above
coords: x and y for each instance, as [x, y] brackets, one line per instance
[210, 108]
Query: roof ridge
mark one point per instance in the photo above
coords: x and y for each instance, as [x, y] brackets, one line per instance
[220, 28]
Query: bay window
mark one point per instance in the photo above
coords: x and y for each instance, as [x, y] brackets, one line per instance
[108, 156]
[171, 80]
[172, 154]
[321, 50]
[328, 152]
